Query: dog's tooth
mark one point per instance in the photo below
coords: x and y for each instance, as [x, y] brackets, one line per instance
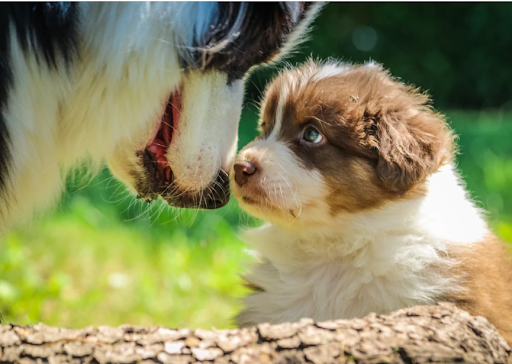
[168, 174]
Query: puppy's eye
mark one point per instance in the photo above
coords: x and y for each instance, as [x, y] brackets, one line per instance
[311, 135]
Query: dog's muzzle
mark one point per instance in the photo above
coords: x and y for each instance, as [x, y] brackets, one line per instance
[158, 180]
[213, 196]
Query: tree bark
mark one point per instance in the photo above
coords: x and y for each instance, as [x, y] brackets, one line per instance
[423, 334]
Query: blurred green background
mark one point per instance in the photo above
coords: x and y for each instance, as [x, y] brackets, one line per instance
[103, 258]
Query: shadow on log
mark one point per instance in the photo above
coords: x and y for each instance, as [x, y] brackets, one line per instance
[423, 334]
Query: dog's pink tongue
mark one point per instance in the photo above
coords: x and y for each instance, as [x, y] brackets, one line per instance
[163, 138]
[158, 149]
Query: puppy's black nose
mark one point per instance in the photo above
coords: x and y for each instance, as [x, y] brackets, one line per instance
[244, 170]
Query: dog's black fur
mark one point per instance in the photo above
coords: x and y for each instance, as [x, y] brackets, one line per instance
[263, 33]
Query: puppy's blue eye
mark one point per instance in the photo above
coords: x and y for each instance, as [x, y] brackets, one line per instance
[311, 135]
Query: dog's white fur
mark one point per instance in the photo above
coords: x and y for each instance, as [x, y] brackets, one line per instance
[111, 96]
[109, 101]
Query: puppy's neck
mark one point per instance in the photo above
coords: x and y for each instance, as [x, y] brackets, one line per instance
[443, 217]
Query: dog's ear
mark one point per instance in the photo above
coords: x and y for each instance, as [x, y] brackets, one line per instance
[411, 143]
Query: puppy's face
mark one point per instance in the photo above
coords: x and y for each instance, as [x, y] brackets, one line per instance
[338, 139]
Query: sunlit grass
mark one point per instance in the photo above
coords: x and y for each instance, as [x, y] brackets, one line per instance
[106, 259]
[83, 267]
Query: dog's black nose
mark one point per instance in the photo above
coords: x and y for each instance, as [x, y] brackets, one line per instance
[244, 170]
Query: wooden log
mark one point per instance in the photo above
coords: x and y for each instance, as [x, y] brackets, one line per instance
[422, 334]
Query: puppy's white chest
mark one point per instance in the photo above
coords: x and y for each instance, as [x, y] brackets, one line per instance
[330, 290]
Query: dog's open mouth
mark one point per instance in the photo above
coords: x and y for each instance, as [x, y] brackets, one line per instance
[154, 155]
[158, 181]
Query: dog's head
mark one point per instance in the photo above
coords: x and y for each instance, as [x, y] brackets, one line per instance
[338, 138]
[185, 155]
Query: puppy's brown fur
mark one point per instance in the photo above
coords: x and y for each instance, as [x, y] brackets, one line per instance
[486, 270]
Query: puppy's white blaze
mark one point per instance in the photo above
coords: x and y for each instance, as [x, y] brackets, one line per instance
[206, 130]
[279, 114]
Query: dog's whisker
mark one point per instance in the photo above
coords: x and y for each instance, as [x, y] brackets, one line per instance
[160, 145]
[169, 125]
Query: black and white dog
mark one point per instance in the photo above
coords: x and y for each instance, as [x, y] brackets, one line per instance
[153, 88]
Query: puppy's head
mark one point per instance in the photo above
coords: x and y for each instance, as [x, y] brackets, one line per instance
[338, 138]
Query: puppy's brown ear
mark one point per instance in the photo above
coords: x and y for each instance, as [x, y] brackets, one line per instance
[412, 144]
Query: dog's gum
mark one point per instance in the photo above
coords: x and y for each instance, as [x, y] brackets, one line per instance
[162, 161]
[157, 148]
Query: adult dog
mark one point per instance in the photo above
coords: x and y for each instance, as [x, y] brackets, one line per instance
[154, 88]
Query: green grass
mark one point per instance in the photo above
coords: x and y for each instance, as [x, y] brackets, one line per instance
[105, 259]
[82, 267]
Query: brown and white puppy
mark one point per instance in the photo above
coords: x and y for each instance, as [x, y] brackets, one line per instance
[366, 212]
